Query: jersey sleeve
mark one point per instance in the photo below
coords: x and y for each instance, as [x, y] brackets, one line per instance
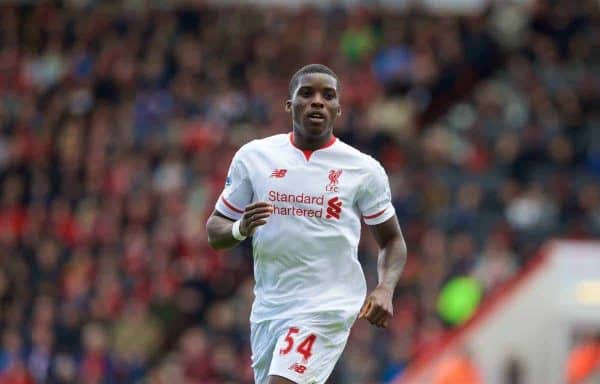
[238, 189]
[375, 199]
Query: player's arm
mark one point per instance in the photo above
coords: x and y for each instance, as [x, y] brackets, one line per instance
[392, 256]
[220, 228]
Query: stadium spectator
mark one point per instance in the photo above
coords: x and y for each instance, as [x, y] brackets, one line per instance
[457, 368]
[584, 359]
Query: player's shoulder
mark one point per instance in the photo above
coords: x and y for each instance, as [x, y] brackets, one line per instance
[357, 156]
[263, 144]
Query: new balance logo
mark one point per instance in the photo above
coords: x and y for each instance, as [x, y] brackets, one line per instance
[297, 368]
[334, 207]
[279, 173]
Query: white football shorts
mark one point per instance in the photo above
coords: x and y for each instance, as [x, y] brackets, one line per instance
[304, 351]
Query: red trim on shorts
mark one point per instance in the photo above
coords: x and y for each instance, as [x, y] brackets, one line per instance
[308, 152]
[230, 206]
[375, 215]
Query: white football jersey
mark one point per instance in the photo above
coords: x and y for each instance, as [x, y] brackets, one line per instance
[305, 257]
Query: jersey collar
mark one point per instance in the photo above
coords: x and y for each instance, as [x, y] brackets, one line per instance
[308, 152]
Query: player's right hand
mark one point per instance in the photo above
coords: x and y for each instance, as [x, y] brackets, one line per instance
[255, 215]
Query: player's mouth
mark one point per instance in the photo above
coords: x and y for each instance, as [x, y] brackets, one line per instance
[316, 117]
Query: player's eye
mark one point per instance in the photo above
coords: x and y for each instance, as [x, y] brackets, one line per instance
[304, 92]
[329, 95]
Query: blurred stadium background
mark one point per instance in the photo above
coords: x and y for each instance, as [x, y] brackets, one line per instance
[117, 123]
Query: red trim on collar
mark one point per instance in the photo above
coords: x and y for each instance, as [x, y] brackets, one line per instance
[308, 152]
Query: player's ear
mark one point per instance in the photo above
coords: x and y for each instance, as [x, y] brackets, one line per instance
[339, 111]
[288, 105]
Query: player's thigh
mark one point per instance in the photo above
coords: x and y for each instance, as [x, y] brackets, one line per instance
[307, 353]
[279, 380]
[263, 343]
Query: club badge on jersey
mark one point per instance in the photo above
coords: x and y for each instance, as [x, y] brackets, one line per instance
[334, 179]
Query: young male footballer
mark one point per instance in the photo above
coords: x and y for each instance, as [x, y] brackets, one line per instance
[302, 196]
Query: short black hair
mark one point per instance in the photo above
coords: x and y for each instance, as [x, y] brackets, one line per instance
[311, 68]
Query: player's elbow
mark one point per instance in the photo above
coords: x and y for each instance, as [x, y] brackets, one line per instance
[394, 241]
[402, 245]
[214, 233]
[397, 245]
[211, 235]
[214, 244]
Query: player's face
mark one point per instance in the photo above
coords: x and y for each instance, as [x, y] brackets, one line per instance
[315, 104]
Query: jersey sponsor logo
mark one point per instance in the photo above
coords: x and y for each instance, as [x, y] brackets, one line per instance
[298, 368]
[303, 198]
[304, 204]
[278, 173]
[334, 207]
[334, 179]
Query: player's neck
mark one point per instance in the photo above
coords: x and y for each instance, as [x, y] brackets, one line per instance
[309, 143]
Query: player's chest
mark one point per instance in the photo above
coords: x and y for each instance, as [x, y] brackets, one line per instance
[281, 181]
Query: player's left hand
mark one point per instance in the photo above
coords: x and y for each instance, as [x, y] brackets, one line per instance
[378, 307]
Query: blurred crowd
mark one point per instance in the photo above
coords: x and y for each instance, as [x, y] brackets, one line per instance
[118, 122]
[583, 363]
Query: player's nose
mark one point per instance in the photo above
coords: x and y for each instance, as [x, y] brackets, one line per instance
[317, 101]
